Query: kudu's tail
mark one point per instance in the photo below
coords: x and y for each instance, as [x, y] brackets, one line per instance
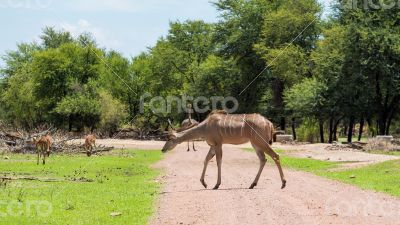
[273, 134]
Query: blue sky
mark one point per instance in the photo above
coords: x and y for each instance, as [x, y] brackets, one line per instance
[128, 26]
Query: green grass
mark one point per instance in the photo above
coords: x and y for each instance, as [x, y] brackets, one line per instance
[382, 177]
[120, 182]
[308, 165]
[396, 153]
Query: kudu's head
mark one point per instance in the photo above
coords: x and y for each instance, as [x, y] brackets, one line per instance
[171, 139]
[171, 142]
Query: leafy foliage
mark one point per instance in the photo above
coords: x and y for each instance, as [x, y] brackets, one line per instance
[278, 58]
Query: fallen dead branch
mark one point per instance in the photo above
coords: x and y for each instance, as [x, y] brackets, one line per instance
[81, 179]
[22, 142]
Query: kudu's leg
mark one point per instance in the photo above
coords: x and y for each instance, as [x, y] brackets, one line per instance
[209, 156]
[188, 146]
[261, 156]
[38, 156]
[218, 153]
[194, 149]
[44, 157]
[276, 159]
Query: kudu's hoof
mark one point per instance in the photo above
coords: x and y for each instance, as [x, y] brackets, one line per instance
[203, 183]
[252, 186]
[216, 187]
[283, 184]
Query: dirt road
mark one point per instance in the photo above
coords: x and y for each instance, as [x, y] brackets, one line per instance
[307, 199]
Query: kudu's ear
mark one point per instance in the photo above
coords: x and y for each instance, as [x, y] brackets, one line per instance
[169, 135]
[170, 126]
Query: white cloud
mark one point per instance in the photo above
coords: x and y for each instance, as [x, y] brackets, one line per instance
[103, 37]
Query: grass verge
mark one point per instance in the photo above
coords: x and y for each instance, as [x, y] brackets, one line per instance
[382, 177]
[85, 190]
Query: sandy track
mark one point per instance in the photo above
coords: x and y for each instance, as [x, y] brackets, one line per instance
[315, 151]
[308, 199]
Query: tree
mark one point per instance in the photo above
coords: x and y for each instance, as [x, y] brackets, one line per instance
[236, 33]
[52, 38]
[288, 36]
[18, 59]
[83, 108]
[328, 60]
[113, 113]
[18, 100]
[374, 54]
[305, 100]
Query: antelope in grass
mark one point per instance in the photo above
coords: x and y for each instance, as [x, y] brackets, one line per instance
[222, 128]
[43, 146]
[189, 122]
[90, 143]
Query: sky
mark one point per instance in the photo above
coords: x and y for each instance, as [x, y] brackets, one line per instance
[128, 26]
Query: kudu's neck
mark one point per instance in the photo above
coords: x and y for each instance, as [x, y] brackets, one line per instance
[190, 116]
[191, 134]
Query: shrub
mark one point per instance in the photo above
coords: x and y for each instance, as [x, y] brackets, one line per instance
[308, 131]
[113, 113]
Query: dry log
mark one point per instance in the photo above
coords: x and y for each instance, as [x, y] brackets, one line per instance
[82, 179]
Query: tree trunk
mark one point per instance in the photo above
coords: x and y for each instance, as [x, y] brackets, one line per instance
[350, 133]
[283, 123]
[321, 130]
[345, 130]
[369, 122]
[330, 130]
[335, 138]
[389, 123]
[294, 128]
[382, 126]
[361, 129]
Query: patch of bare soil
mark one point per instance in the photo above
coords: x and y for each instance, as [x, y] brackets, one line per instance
[350, 159]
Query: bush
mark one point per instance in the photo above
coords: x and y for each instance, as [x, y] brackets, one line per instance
[308, 131]
[113, 113]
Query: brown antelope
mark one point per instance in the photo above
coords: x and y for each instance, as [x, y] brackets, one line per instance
[43, 146]
[187, 123]
[222, 128]
[90, 143]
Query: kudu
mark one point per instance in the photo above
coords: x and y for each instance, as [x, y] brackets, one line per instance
[222, 128]
[90, 143]
[43, 146]
[188, 123]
